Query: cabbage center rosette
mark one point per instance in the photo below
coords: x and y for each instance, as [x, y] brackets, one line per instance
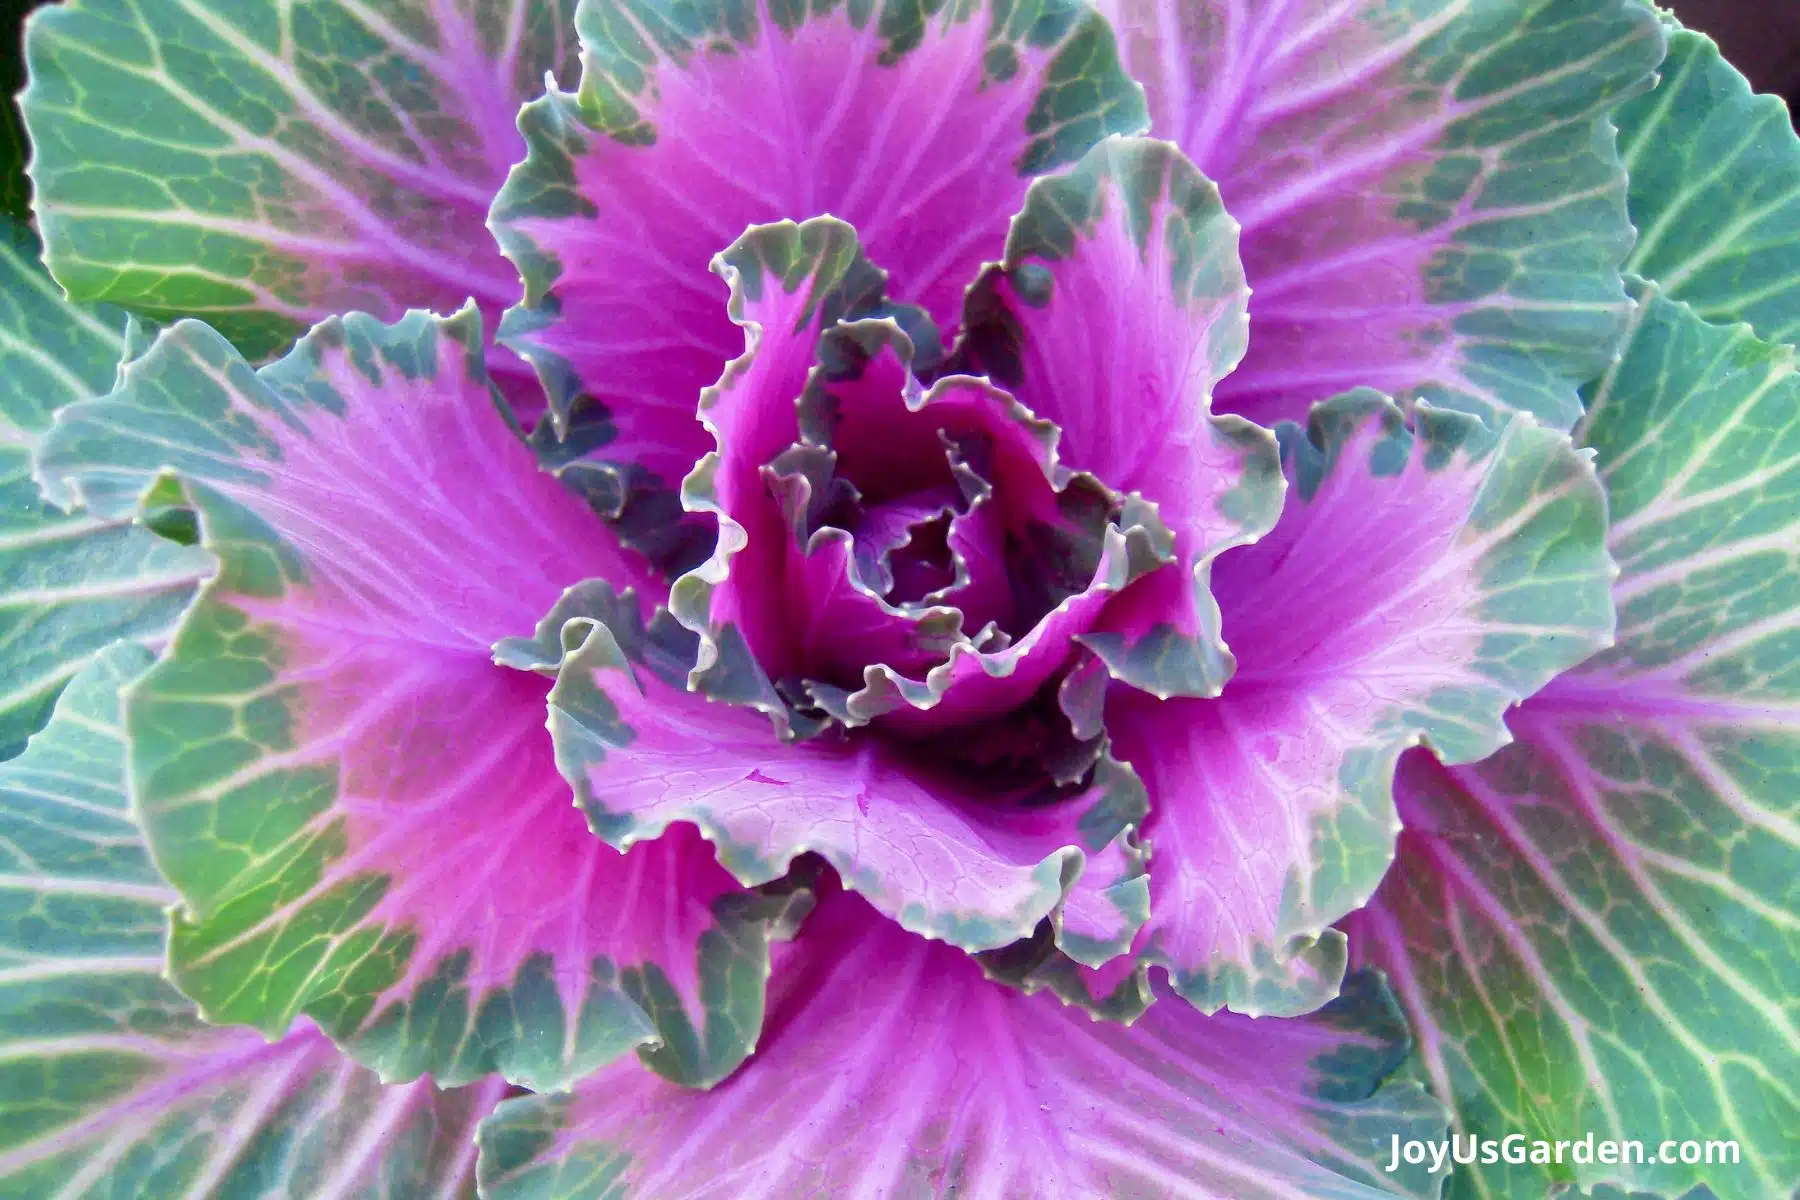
[904, 571]
[935, 653]
[969, 511]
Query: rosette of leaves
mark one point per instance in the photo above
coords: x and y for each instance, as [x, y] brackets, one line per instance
[890, 650]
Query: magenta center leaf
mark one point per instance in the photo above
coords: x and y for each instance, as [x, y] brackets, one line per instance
[1119, 306]
[978, 862]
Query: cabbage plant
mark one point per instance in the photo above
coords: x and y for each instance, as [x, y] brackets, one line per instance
[990, 599]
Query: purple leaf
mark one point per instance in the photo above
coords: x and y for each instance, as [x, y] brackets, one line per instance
[1119, 306]
[890, 1067]
[839, 621]
[358, 807]
[973, 861]
[788, 283]
[900, 544]
[1418, 584]
[921, 133]
[1431, 201]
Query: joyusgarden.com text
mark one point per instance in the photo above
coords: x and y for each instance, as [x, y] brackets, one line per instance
[1471, 1148]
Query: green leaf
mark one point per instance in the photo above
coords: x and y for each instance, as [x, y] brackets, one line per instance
[1598, 928]
[1715, 191]
[69, 583]
[264, 165]
[110, 1085]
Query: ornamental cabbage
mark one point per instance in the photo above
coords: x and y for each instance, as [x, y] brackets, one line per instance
[1013, 598]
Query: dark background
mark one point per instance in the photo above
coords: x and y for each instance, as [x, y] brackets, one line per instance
[1762, 37]
[13, 196]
